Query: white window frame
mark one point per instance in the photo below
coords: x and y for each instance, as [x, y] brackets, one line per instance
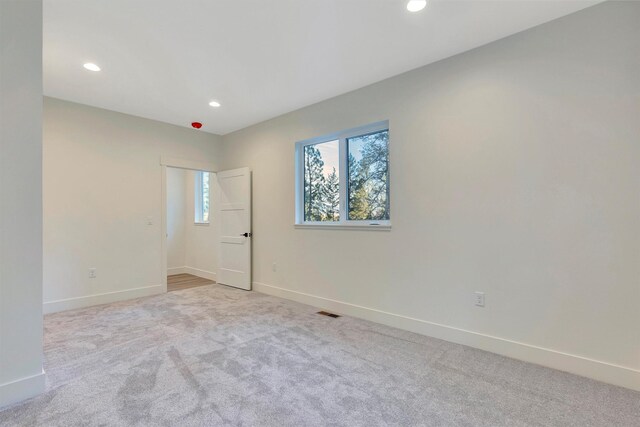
[198, 205]
[344, 222]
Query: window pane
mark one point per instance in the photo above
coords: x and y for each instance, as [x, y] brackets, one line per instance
[205, 196]
[321, 182]
[369, 176]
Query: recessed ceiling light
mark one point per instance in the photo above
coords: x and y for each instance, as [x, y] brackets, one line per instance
[416, 5]
[214, 104]
[91, 66]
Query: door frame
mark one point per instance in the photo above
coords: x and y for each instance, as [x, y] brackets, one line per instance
[173, 162]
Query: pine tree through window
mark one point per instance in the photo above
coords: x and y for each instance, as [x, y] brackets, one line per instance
[321, 182]
[343, 179]
[368, 176]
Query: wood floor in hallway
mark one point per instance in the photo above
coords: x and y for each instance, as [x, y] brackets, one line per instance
[177, 282]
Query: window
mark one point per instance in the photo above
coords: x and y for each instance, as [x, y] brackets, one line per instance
[343, 179]
[202, 197]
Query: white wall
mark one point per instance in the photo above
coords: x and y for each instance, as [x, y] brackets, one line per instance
[176, 218]
[21, 373]
[102, 187]
[514, 171]
[191, 248]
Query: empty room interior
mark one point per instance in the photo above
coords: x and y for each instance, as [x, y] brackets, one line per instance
[314, 213]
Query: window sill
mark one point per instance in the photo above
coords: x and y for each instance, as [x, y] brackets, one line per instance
[206, 224]
[362, 227]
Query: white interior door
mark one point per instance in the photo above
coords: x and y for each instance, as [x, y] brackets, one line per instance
[234, 213]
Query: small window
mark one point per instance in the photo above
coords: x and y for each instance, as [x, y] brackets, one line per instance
[202, 197]
[343, 179]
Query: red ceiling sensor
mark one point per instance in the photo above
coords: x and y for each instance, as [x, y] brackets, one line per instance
[196, 125]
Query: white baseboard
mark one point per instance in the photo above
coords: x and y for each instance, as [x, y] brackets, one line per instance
[200, 273]
[595, 369]
[21, 389]
[172, 271]
[105, 298]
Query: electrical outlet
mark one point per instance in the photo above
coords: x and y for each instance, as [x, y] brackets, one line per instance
[274, 267]
[92, 273]
[479, 299]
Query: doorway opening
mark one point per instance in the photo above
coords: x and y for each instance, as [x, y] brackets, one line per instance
[191, 230]
[215, 209]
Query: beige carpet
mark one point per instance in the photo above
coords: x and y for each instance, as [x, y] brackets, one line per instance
[213, 355]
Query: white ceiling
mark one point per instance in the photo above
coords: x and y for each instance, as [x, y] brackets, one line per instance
[166, 59]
